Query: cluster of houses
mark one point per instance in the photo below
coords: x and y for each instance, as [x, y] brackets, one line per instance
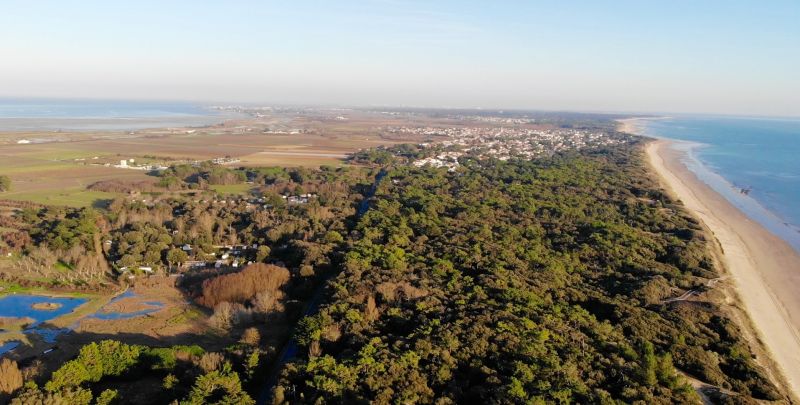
[261, 202]
[444, 159]
[227, 160]
[299, 199]
[228, 255]
[233, 256]
[249, 203]
[504, 143]
[131, 165]
[496, 120]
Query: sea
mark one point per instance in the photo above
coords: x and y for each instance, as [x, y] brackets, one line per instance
[752, 162]
[17, 114]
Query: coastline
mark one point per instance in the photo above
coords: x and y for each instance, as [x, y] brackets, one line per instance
[759, 206]
[763, 266]
[635, 126]
[76, 115]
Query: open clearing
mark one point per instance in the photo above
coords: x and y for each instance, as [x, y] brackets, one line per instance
[231, 188]
[57, 171]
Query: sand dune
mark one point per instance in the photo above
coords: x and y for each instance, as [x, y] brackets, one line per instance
[765, 269]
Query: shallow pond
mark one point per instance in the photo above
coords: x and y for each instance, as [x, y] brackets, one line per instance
[21, 306]
[8, 346]
[115, 315]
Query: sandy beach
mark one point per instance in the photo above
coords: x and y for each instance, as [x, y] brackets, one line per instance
[764, 268]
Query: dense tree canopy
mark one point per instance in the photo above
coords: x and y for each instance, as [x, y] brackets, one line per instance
[520, 281]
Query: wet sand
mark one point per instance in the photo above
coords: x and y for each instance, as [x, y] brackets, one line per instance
[765, 269]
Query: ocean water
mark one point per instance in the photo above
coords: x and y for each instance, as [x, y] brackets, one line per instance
[49, 115]
[730, 154]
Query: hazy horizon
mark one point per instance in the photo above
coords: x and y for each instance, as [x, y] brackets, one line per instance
[11, 100]
[713, 58]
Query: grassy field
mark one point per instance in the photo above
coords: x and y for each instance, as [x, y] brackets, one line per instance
[58, 172]
[236, 189]
[12, 288]
[40, 174]
[43, 175]
[294, 158]
[74, 197]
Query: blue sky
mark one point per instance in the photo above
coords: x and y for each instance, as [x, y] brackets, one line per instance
[732, 57]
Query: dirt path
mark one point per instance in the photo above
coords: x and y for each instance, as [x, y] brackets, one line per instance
[691, 293]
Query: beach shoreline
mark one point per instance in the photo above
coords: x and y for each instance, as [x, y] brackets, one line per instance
[636, 125]
[764, 267]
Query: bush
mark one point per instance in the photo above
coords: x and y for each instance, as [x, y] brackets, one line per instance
[251, 337]
[223, 385]
[95, 361]
[10, 376]
[5, 183]
[244, 285]
[107, 397]
[211, 362]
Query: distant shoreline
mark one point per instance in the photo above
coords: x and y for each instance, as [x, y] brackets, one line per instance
[635, 126]
[764, 267]
[50, 125]
[48, 116]
[753, 208]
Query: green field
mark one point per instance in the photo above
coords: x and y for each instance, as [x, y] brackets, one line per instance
[26, 167]
[235, 189]
[71, 197]
[13, 288]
